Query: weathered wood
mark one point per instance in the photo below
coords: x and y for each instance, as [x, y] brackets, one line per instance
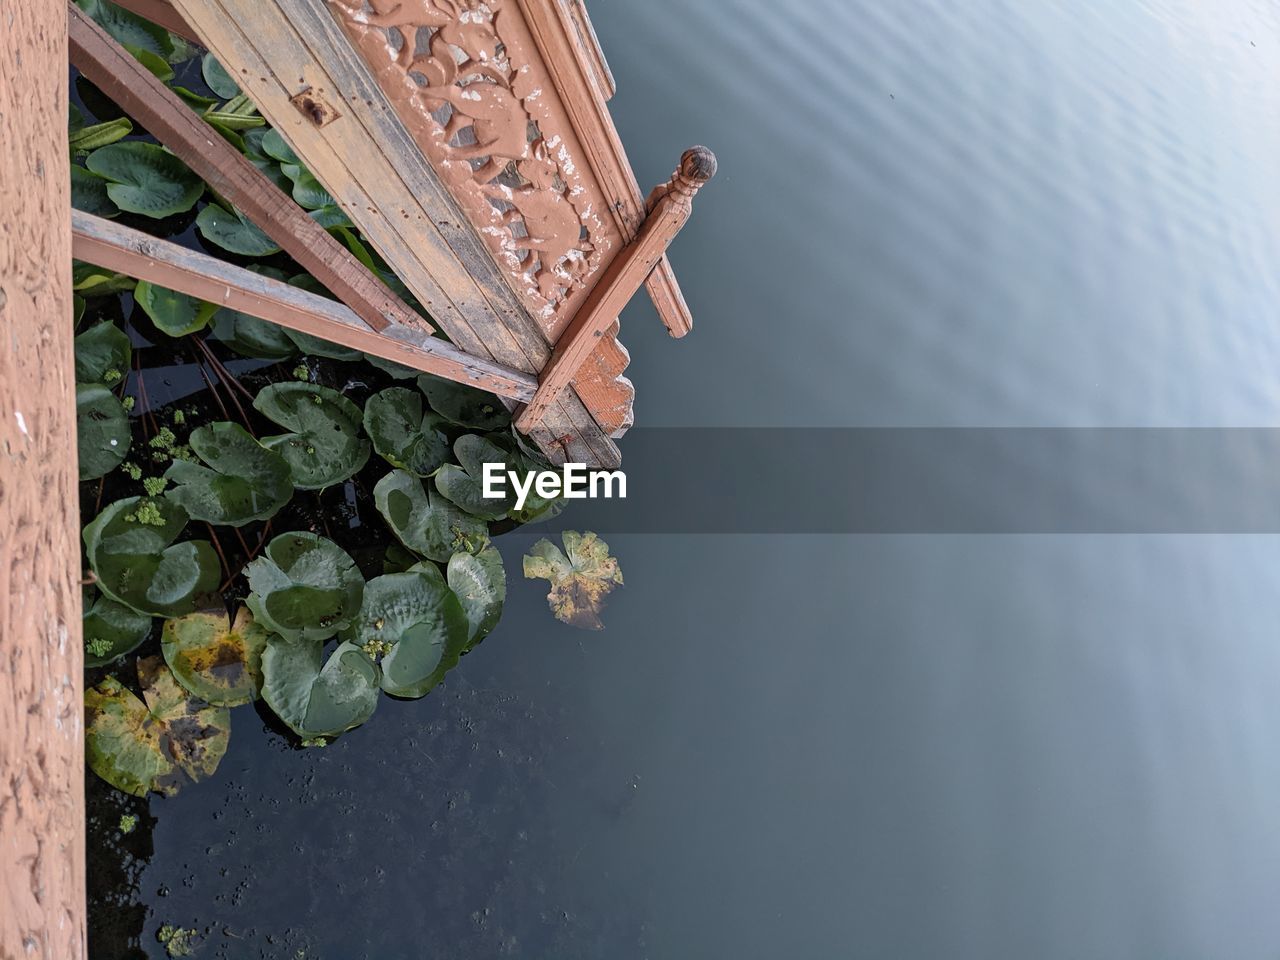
[365, 157]
[571, 61]
[140, 255]
[670, 206]
[230, 174]
[42, 854]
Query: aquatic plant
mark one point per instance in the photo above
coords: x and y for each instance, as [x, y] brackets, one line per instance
[581, 576]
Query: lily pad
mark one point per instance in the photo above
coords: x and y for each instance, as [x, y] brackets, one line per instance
[242, 482]
[172, 312]
[102, 431]
[415, 622]
[89, 280]
[217, 660]
[464, 485]
[130, 547]
[103, 354]
[308, 192]
[111, 629]
[318, 698]
[580, 581]
[463, 405]
[403, 434]
[232, 231]
[146, 179]
[158, 745]
[325, 446]
[304, 587]
[426, 522]
[217, 78]
[480, 583]
[274, 146]
[128, 28]
[251, 336]
[89, 138]
[89, 193]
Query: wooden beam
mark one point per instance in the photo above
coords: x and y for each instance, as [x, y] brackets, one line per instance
[141, 255]
[671, 205]
[42, 817]
[156, 107]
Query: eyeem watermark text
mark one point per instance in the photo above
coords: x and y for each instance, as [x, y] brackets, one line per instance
[573, 481]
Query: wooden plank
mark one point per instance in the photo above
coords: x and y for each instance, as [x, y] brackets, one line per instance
[230, 174]
[42, 816]
[557, 27]
[372, 166]
[140, 255]
[672, 204]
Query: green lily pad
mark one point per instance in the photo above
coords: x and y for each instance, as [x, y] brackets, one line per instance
[318, 698]
[232, 231]
[217, 660]
[173, 313]
[130, 547]
[128, 28]
[480, 583]
[416, 624]
[217, 78]
[238, 113]
[146, 179]
[103, 354]
[89, 138]
[403, 434]
[90, 280]
[325, 446]
[308, 192]
[304, 587]
[463, 405]
[464, 485]
[580, 581]
[89, 193]
[242, 481]
[331, 215]
[274, 146]
[102, 431]
[426, 522]
[158, 745]
[111, 629]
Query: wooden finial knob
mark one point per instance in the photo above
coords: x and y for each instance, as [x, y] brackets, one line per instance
[698, 164]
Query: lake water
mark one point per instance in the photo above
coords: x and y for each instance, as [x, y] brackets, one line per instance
[987, 214]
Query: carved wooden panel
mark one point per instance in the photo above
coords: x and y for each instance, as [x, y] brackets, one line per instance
[469, 83]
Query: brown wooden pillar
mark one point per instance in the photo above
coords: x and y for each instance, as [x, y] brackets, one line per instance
[42, 888]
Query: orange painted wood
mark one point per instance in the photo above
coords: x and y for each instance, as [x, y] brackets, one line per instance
[42, 816]
[141, 255]
[671, 206]
[231, 175]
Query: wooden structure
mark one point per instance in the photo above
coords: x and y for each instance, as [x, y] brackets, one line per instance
[470, 142]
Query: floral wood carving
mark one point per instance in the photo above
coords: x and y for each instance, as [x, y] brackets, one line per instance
[466, 79]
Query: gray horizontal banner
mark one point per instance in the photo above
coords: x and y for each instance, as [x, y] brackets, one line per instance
[1008, 481]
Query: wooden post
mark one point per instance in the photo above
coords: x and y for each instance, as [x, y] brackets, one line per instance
[669, 209]
[42, 883]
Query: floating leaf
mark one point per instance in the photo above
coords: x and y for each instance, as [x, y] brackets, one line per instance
[157, 745]
[466, 406]
[480, 583]
[172, 312]
[580, 582]
[111, 629]
[217, 660]
[89, 280]
[403, 434]
[102, 431]
[426, 522]
[304, 587]
[414, 621]
[89, 193]
[273, 145]
[331, 215]
[146, 179]
[128, 28]
[196, 101]
[131, 551]
[233, 232]
[315, 700]
[85, 139]
[252, 336]
[156, 64]
[242, 481]
[238, 113]
[103, 354]
[463, 485]
[325, 446]
[217, 78]
[308, 192]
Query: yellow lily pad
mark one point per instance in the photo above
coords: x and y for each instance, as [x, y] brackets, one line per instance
[582, 577]
[217, 660]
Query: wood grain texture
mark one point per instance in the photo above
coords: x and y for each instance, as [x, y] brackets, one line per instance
[137, 254]
[670, 206]
[231, 175]
[42, 882]
[369, 162]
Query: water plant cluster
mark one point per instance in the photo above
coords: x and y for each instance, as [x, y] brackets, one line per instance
[206, 525]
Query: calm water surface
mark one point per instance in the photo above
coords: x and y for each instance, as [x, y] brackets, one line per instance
[942, 214]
